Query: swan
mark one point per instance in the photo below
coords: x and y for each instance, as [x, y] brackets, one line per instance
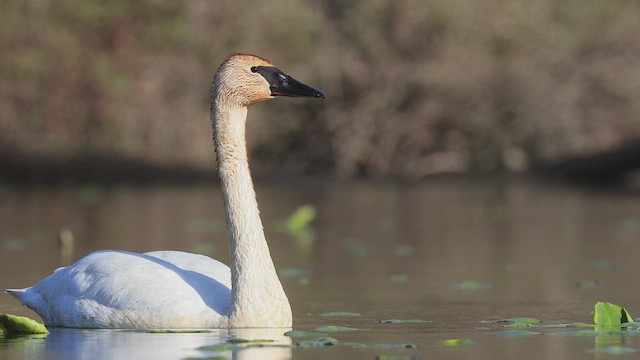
[173, 289]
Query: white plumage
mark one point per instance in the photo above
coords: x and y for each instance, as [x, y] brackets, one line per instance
[120, 289]
[172, 289]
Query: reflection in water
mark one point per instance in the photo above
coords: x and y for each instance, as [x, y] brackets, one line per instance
[383, 250]
[123, 344]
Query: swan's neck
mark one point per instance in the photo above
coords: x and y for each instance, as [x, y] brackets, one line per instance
[257, 297]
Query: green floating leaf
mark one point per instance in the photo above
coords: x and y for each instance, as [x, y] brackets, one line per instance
[339, 314]
[608, 314]
[385, 346]
[245, 341]
[318, 342]
[395, 357]
[393, 346]
[21, 325]
[300, 219]
[457, 342]
[521, 320]
[402, 321]
[302, 334]
[334, 328]
[470, 285]
[516, 333]
[218, 347]
[614, 350]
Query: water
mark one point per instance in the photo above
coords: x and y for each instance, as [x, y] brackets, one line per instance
[385, 251]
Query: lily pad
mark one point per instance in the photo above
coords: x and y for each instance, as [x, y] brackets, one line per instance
[318, 342]
[300, 219]
[395, 357]
[21, 325]
[516, 333]
[246, 341]
[457, 342]
[608, 314]
[334, 328]
[385, 346]
[402, 321]
[520, 320]
[340, 314]
[302, 334]
[470, 285]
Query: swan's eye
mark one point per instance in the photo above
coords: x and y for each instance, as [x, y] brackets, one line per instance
[254, 69]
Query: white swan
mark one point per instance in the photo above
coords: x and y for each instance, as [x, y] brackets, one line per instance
[172, 289]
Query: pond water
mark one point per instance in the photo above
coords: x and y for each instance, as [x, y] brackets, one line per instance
[455, 253]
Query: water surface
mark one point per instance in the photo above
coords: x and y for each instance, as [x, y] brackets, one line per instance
[385, 251]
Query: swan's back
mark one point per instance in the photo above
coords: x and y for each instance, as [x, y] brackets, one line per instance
[120, 289]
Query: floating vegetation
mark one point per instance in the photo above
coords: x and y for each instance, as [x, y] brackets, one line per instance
[396, 357]
[520, 320]
[402, 321]
[335, 328]
[21, 325]
[470, 285]
[318, 342]
[340, 314]
[458, 342]
[614, 350]
[245, 341]
[607, 314]
[517, 333]
[391, 346]
[298, 222]
[300, 334]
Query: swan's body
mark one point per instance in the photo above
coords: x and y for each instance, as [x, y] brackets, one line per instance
[172, 289]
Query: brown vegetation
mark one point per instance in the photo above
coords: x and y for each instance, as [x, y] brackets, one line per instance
[414, 87]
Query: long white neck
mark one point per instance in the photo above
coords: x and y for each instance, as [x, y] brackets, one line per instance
[257, 296]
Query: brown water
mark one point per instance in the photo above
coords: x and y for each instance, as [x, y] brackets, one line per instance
[385, 251]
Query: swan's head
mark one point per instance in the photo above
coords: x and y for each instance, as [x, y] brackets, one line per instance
[247, 79]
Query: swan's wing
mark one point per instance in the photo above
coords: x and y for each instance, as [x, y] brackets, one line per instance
[197, 263]
[119, 289]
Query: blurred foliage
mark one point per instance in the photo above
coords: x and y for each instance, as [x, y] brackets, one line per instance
[414, 87]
